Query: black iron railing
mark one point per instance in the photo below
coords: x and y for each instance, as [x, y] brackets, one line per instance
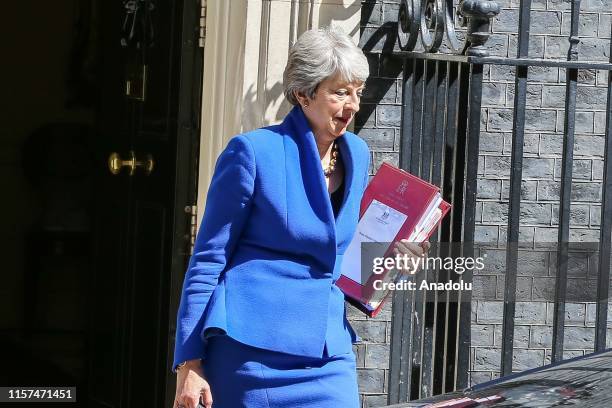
[440, 129]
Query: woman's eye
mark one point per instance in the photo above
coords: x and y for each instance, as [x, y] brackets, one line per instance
[344, 93]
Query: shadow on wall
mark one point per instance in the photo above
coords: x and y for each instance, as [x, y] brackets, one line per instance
[264, 102]
[256, 105]
[346, 13]
[377, 42]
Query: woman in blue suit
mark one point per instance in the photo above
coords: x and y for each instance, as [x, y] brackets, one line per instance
[261, 322]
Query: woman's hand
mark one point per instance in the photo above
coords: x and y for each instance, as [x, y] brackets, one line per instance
[416, 252]
[191, 387]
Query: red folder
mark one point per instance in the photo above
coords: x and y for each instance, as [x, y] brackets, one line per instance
[418, 200]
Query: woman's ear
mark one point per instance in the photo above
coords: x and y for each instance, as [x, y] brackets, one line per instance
[302, 99]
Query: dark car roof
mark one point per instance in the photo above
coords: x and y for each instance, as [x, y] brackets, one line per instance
[583, 382]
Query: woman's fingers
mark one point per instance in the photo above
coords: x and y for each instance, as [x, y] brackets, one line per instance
[409, 248]
[192, 389]
[187, 401]
[206, 397]
[406, 265]
[413, 251]
[425, 245]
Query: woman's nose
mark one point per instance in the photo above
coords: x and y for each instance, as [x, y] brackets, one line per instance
[353, 103]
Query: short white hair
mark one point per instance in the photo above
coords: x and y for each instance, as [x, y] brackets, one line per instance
[320, 54]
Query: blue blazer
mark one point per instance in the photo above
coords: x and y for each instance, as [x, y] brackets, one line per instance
[268, 251]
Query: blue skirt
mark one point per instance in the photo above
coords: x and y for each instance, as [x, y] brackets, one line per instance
[244, 376]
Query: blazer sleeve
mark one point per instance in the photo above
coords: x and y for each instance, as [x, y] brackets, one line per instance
[227, 208]
[366, 177]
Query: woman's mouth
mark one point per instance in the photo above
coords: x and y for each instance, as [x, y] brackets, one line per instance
[344, 121]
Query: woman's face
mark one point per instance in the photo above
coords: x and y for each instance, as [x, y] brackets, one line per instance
[333, 107]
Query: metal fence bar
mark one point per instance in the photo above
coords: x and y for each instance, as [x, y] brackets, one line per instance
[417, 117]
[459, 161]
[457, 219]
[452, 109]
[538, 62]
[429, 313]
[428, 125]
[516, 172]
[496, 60]
[439, 127]
[454, 98]
[430, 116]
[407, 114]
[404, 316]
[436, 179]
[606, 228]
[571, 85]
[469, 221]
[422, 79]
[401, 314]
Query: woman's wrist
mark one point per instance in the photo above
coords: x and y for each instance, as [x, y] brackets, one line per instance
[195, 363]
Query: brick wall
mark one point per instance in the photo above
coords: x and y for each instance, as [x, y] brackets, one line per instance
[378, 123]
[372, 354]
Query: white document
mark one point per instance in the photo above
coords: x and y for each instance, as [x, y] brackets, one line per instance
[423, 225]
[380, 223]
[428, 220]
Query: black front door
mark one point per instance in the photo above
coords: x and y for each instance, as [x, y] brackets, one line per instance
[146, 135]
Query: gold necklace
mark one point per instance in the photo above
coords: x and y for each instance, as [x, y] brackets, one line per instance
[328, 171]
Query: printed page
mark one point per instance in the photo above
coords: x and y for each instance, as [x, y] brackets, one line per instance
[380, 223]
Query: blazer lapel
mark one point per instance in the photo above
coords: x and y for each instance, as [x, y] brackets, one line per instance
[298, 128]
[310, 165]
[348, 160]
